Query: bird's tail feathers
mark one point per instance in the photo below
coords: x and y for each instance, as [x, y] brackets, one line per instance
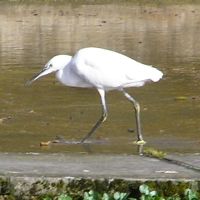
[156, 75]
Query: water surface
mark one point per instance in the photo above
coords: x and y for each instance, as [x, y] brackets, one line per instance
[163, 36]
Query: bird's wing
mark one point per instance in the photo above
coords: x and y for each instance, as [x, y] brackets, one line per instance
[108, 69]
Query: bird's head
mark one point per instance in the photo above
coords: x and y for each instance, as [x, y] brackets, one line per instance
[56, 63]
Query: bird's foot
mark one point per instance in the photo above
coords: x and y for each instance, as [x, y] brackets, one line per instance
[47, 143]
[139, 142]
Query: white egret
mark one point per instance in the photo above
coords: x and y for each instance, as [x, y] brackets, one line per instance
[104, 70]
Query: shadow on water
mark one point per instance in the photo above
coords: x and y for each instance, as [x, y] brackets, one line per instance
[164, 36]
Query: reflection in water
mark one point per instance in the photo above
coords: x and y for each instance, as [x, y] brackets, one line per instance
[31, 34]
[164, 36]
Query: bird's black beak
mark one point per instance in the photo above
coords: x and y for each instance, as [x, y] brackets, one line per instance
[35, 77]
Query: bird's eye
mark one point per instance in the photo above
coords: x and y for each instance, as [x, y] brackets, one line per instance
[48, 66]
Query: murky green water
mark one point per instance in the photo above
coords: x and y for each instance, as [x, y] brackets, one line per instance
[163, 36]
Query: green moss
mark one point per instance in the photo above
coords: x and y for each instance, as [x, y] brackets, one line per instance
[151, 152]
[173, 188]
[6, 187]
[169, 188]
[119, 185]
[77, 189]
[60, 186]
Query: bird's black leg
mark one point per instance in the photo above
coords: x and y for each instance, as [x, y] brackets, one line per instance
[137, 116]
[102, 118]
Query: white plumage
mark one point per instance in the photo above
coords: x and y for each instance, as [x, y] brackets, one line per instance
[104, 70]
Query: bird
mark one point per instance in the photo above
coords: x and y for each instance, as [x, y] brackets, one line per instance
[103, 70]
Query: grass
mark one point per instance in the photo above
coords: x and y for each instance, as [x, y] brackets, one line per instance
[145, 194]
[84, 191]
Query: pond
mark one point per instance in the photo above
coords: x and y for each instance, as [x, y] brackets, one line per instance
[165, 36]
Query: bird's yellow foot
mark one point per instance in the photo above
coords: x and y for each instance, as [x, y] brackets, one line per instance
[45, 143]
[139, 142]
